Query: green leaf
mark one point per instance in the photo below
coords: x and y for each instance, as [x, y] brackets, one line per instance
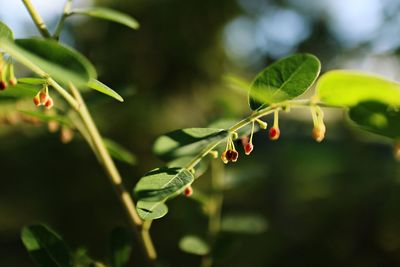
[148, 210]
[118, 152]
[163, 183]
[194, 245]
[21, 90]
[283, 80]
[199, 169]
[31, 80]
[46, 248]
[244, 224]
[186, 142]
[81, 258]
[108, 14]
[377, 118]
[348, 88]
[5, 32]
[102, 88]
[120, 247]
[47, 57]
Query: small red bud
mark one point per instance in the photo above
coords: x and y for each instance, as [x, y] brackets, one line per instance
[248, 148]
[3, 85]
[188, 191]
[274, 133]
[49, 103]
[245, 140]
[318, 134]
[36, 100]
[13, 81]
[223, 157]
[44, 97]
[232, 155]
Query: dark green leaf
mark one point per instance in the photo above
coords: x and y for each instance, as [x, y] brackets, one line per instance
[120, 247]
[348, 88]
[102, 88]
[194, 245]
[163, 183]
[283, 80]
[186, 142]
[118, 152]
[62, 63]
[151, 210]
[46, 248]
[377, 118]
[244, 224]
[108, 14]
[6, 32]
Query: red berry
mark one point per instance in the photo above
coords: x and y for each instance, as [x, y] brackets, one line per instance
[232, 155]
[13, 81]
[3, 85]
[49, 103]
[274, 133]
[43, 97]
[188, 191]
[245, 140]
[248, 148]
[36, 100]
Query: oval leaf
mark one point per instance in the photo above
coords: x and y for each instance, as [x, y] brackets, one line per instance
[151, 210]
[186, 142]
[108, 14]
[47, 57]
[348, 88]
[5, 32]
[45, 246]
[21, 90]
[284, 80]
[377, 118]
[194, 245]
[163, 183]
[199, 169]
[120, 247]
[102, 88]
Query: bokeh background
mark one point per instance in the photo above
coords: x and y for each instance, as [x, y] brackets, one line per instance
[328, 204]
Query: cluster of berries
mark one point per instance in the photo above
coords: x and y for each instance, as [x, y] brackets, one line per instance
[43, 98]
[6, 74]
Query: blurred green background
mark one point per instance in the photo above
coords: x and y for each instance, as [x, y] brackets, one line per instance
[328, 204]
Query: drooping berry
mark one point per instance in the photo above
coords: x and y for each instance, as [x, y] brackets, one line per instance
[248, 148]
[232, 155]
[49, 103]
[274, 133]
[188, 191]
[318, 133]
[44, 97]
[53, 126]
[36, 100]
[245, 140]
[224, 157]
[3, 85]
[66, 135]
[13, 81]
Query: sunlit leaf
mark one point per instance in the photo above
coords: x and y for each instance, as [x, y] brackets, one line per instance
[101, 87]
[32, 80]
[186, 142]
[194, 245]
[348, 88]
[244, 223]
[5, 32]
[20, 90]
[47, 57]
[120, 247]
[377, 118]
[283, 80]
[148, 210]
[108, 14]
[46, 248]
[118, 152]
[163, 183]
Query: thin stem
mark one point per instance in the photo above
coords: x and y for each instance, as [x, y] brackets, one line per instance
[37, 19]
[148, 243]
[60, 24]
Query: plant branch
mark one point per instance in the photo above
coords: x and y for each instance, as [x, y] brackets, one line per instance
[60, 24]
[37, 19]
[148, 243]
